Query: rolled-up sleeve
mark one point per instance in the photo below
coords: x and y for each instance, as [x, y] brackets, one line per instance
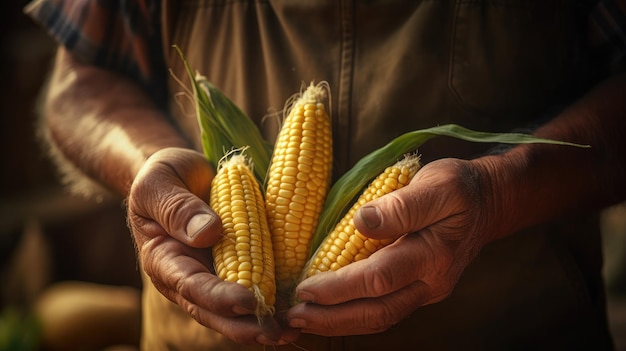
[120, 35]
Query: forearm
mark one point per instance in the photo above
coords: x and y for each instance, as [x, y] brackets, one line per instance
[536, 182]
[103, 123]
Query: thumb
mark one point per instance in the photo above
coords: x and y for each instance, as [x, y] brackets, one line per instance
[390, 216]
[424, 201]
[439, 190]
[190, 220]
[166, 198]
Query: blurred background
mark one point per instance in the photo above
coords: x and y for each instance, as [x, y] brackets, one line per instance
[71, 262]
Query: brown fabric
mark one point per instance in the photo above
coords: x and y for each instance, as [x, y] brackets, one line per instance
[395, 66]
[392, 66]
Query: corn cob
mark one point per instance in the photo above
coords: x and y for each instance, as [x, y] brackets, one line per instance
[345, 244]
[298, 181]
[244, 252]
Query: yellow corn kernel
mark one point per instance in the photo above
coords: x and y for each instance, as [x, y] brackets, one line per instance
[244, 252]
[298, 181]
[345, 244]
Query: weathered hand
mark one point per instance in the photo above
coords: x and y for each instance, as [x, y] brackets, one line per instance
[173, 229]
[443, 211]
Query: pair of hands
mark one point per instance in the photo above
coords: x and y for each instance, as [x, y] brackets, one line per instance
[444, 210]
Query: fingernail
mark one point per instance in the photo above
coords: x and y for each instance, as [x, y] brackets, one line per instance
[198, 222]
[306, 296]
[370, 216]
[297, 323]
[242, 310]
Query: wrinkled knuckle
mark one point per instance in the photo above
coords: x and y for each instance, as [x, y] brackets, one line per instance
[140, 187]
[138, 227]
[152, 253]
[172, 203]
[401, 207]
[133, 210]
[183, 285]
[330, 321]
[146, 253]
[194, 311]
[380, 322]
[380, 282]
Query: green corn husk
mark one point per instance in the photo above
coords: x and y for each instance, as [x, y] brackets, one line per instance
[225, 127]
[346, 189]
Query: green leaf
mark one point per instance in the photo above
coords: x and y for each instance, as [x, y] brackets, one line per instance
[225, 127]
[346, 189]
[238, 129]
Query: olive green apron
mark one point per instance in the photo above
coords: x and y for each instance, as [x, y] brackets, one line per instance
[395, 66]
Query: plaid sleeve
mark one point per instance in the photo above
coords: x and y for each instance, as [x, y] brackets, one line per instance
[121, 35]
[607, 35]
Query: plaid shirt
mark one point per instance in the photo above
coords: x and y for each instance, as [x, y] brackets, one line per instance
[126, 36]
